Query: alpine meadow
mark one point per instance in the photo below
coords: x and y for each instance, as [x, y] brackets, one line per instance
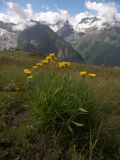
[60, 80]
[52, 110]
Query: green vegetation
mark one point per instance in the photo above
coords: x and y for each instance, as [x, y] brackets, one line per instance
[104, 53]
[99, 47]
[58, 115]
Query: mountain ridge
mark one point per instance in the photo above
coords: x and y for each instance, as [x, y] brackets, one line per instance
[41, 39]
[97, 46]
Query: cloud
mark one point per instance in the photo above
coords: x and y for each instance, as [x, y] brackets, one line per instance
[24, 25]
[51, 17]
[77, 18]
[21, 16]
[18, 14]
[107, 12]
[4, 17]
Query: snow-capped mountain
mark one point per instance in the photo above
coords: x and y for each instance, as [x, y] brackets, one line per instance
[2, 31]
[8, 40]
[6, 26]
[97, 42]
[82, 26]
[66, 30]
[55, 27]
[85, 25]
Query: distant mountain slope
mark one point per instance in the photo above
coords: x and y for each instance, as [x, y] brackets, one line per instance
[7, 40]
[6, 26]
[40, 38]
[97, 46]
[100, 47]
[106, 53]
[37, 38]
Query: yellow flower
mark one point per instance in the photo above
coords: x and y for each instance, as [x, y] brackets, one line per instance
[64, 64]
[83, 73]
[92, 75]
[44, 61]
[30, 77]
[67, 64]
[35, 67]
[27, 71]
[52, 55]
[52, 61]
[48, 58]
[61, 65]
[39, 64]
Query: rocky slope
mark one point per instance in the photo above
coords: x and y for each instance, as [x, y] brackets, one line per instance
[96, 45]
[37, 38]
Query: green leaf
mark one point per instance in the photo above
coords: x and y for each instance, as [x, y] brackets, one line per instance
[77, 124]
[59, 115]
[83, 110]
[69, 127]
[58, 89]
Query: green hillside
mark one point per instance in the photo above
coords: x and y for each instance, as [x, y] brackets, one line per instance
[100, 47]
[107, 53]
[51, 112]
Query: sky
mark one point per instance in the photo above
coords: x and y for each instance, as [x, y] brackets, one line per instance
[73, 6]
[51, 11]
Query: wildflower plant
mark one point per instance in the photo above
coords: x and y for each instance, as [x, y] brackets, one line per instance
[28, 73]
[64, 64]
[61, 105]
[92, 75]
[83, 74]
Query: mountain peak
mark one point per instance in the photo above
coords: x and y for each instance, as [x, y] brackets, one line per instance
[67, 21]
[88, 20]
[65, 30]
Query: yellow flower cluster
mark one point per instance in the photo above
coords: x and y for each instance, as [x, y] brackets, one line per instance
[50, 59]
[64, 64]
[28, 72]
[84, 74]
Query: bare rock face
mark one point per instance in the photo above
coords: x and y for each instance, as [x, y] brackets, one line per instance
[7, 40]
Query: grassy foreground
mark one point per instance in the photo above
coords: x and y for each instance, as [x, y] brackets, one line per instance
[58, 115]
